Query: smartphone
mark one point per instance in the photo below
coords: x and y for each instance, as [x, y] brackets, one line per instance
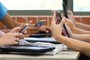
[65, 10]
[58, 17]
[40, 23]
[24, 28]
[58, 20]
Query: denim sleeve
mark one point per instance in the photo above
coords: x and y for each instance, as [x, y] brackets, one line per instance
[3, 11]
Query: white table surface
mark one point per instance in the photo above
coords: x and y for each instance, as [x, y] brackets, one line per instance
[64, 55]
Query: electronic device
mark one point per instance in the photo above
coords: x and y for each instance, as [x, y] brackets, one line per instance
[34, 48]
[65, 10]
[40, 23]
[58, 17]
[65, 14]
[24, 28]
[41, 33]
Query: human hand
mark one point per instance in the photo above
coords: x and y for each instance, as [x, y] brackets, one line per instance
[10, 38]
[56, 28]
[69, 23]
[70, 13]
[44, 29]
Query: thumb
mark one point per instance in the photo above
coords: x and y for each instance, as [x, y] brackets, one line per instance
[16, 29]
[63, 21]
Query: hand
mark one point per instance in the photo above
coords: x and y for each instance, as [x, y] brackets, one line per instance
[21, 29]
[69, 23]
[56, 28]
[71, 16]
[45, 28]
[11, 38]
[70, 13]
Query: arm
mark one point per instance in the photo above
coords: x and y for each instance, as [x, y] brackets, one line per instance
[79, 31]
[74, 29]
[72, 43]
[12, 37]
[9, 22]
[82, 37]
[5, 17]
[77, 24]
[82, 26]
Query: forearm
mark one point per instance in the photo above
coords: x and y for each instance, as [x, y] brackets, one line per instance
[9, 22]
[82, 26]
[83, 37]
[74, 44]
[79, 31]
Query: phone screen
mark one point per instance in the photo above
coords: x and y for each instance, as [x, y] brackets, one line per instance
[58, 17]
[40, 23]
[24, 28]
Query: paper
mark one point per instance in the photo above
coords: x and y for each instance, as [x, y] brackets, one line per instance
[57, 50]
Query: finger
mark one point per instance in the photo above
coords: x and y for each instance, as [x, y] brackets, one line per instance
[18, 35]
[16, 29]
[25, 32]
[64, 19]
[15, 42]
[54, 17]
[17, 39]
[22, 25]
[62, 22]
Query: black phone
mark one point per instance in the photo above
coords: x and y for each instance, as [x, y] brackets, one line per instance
[65, 14]
[58, 20]
[40, 23]
[24, 28]
[65, 10]
[58, 17]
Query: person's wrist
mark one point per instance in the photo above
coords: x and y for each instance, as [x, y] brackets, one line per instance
[55, 34]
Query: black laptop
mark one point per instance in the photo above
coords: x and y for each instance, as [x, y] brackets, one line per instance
[34, 48]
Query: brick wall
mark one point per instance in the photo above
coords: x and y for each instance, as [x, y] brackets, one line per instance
[83, 19]
[35, 19]
[25, 19]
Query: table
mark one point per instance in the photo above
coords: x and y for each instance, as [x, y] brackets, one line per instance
[64, 55]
